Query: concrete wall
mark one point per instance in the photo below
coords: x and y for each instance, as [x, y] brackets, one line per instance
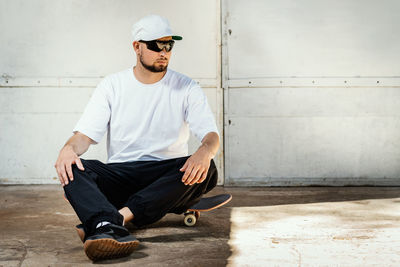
[312, 92]
[311, 88]
[54, 52]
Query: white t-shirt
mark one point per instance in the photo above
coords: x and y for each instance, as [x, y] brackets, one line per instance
[146, 121]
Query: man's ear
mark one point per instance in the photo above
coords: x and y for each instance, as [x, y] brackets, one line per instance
[136, 46]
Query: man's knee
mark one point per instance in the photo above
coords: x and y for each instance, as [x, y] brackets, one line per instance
[80, 176]
[78, 172]
[212, 171]
[212, 176]
[88, 167]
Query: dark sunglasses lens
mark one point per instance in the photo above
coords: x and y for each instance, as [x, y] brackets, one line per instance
[158, 46]
[167, 45]
[153, 46]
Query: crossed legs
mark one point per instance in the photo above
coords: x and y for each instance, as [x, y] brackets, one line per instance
[141, 192]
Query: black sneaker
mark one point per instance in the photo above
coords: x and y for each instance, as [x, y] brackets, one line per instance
[108, 242]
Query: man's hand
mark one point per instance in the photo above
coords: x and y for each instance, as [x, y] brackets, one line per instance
[64, 163]
[69, 155]
[196, 166]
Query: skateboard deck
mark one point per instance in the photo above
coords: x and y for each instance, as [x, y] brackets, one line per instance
[205, 204]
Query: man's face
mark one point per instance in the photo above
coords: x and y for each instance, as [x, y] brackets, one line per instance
[151, 60]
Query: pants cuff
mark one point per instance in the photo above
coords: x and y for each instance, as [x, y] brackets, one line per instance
[138, 212]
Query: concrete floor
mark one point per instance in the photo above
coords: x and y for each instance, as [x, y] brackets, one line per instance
[308, 226]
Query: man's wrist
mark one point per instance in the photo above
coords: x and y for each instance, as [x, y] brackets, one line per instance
[207, 150]
[69, 147]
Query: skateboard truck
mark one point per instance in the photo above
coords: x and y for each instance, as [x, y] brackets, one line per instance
[205, 204]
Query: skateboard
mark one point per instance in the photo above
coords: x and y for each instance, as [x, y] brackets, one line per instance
[205, 204]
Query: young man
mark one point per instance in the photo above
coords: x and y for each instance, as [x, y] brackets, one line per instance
[147, 112]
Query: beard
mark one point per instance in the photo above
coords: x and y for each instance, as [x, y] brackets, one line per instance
[153, 68]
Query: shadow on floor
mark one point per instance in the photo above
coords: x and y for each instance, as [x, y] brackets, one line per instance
[271, 196]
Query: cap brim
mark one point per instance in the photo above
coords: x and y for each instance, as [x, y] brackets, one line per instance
[176, 37]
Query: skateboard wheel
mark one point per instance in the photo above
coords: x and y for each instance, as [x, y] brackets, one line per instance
[190, 220]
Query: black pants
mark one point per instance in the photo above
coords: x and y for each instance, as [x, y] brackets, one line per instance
[150, 189]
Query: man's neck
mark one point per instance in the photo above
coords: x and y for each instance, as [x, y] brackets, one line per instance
[145, 76]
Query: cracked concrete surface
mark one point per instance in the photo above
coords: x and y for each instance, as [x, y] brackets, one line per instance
[302, 226]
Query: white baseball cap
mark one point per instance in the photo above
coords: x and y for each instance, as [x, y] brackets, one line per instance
[152, 27]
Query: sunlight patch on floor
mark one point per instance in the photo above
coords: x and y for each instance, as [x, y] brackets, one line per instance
[354, 233]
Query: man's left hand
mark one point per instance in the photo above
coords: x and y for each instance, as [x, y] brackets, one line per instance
[196, 167]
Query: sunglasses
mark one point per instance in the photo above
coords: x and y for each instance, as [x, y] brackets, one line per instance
[158, 46]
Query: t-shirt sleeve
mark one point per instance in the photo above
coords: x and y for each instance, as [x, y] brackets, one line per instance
[198, 113]
[96, 116]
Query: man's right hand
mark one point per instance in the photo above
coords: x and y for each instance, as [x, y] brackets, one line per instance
[66, 159]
